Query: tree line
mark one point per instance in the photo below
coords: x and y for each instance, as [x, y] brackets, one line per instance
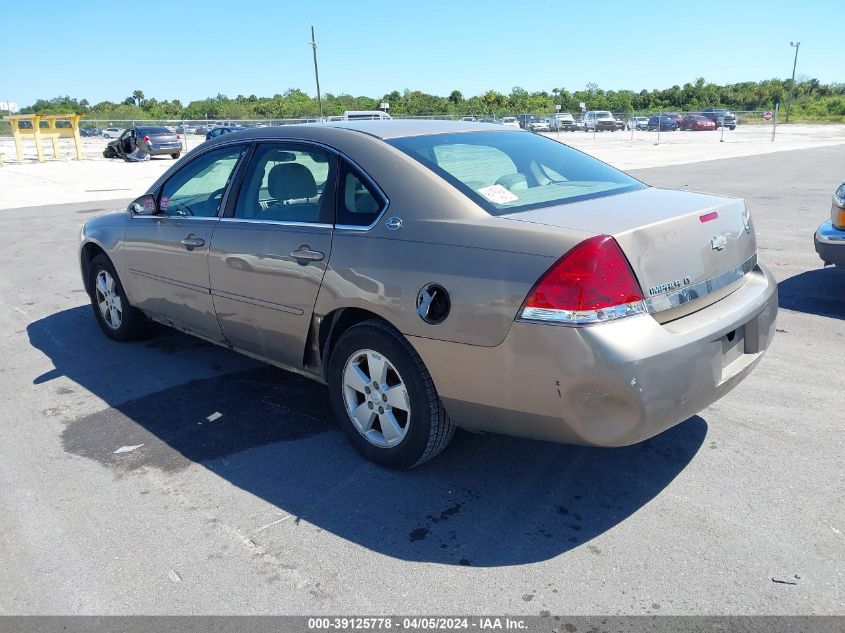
[812, 100]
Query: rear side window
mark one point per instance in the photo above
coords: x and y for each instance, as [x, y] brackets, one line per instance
[504, 172]
[287, 183]
[359, 203]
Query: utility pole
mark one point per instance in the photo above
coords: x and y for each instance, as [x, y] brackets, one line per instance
[792, 85]
[316, 73]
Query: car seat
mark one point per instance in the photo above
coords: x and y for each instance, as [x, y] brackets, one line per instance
[294, 192]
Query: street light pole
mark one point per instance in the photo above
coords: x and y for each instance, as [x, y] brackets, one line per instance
[792, 85]
[316, 74]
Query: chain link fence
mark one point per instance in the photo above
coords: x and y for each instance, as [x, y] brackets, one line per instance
[655, 126]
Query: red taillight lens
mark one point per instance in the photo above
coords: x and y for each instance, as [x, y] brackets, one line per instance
[146, 139]
[593, 282]
[178, 138]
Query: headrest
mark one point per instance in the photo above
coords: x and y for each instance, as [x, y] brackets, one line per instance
[291, 181]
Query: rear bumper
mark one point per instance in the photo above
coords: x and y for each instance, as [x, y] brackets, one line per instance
[606, 385]
[158, 150]
[830, 244]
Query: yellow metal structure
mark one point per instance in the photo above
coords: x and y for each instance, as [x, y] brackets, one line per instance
[39, 127]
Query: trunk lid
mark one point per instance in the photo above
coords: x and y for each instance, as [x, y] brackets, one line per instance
[163, 138]
[678, 243]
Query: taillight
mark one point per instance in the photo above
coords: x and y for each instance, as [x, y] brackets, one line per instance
[592, 283]
[178, 138]
[146, 139]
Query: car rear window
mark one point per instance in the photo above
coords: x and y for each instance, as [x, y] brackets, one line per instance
[506, 172]
[153, 130]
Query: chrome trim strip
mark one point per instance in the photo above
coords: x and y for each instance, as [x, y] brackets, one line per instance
[168, 280]
[827, 233]
[679, 297]
[258, 302]
[315, 225]
[163, 216]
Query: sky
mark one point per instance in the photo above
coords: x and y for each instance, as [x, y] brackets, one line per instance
[103, 50]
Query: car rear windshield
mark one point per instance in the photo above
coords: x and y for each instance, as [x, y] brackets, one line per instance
[507, 172]
[153, 130]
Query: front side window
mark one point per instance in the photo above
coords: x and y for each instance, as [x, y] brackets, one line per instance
[505, 172]
[197, 189]
[288, 183]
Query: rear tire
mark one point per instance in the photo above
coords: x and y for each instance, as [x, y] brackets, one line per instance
[398, 423]
[109, 153]
[115, 315]
[175, 155]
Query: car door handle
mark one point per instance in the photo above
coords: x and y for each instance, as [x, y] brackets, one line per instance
[192, 241]
[303, 255]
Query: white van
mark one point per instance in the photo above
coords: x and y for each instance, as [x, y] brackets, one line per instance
[365, 115]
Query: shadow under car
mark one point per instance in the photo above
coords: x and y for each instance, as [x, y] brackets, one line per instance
[488, 500]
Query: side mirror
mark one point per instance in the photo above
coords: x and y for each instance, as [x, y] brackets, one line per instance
[145, 205]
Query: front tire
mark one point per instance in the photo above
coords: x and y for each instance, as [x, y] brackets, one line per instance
[116, 316]
[384, 398]
[109, 153]
[175, 155]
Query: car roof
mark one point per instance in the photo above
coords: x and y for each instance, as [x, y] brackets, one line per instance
[381, 129]
[398, 128]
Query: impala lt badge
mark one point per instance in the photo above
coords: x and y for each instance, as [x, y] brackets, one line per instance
[669, 285]
[719, 242]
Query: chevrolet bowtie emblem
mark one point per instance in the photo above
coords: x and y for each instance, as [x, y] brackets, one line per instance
[719, 242]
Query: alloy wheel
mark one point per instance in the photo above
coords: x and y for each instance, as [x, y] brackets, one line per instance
[376, 398]
[108, 300]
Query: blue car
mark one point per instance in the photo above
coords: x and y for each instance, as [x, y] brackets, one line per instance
[221, 130]
[666, 123]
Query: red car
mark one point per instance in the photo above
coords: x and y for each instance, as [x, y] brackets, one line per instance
[675, 117]
[696, 122]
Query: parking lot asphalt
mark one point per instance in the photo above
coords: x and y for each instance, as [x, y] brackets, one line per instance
[265, 508]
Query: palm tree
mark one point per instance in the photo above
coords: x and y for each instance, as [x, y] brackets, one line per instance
[138, 96]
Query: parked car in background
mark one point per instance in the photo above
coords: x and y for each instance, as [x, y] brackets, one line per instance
[519, 286]
[563, 122]
[471, 119]
[720, 117]
[112, 132]
[696, 122]
[601, 121]
[510, 121]
[665, 123]
[830, 236]
[488, 119]
[155, 141]
[637, 123]
[223, 129]
[538, 124]
[365, 115]
[675, 116]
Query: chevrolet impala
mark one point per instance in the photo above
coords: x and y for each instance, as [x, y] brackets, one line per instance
[444, 274]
